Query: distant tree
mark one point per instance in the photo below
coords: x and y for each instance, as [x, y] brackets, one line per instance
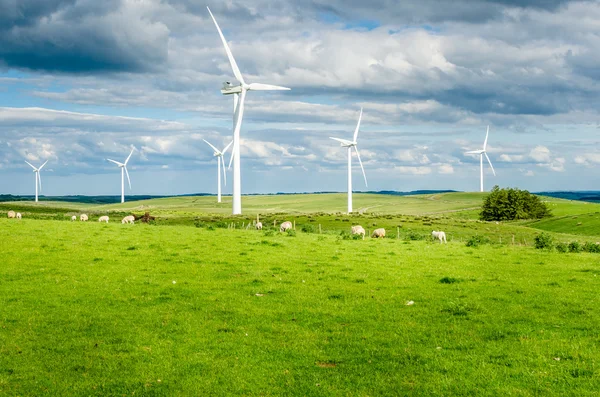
[510, 204]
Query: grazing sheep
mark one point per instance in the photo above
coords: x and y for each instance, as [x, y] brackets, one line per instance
[378, 233]
[440, 236]
[258, 225]
[11, 214]
[103, 219]
[128, 219]
[285, 226]
[358, 230]
[83, 218]
[73, 218]
[18, 215]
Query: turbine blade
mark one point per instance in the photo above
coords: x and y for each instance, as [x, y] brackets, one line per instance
[488, 159]
[116, 162]
[361, 166]
[474, 152]
[31, 165]
[266, 87]
[227, 147]
[128, 180]
[486, 138]
[358, 125]
[238, 124]
[128, 157]
[234, 66]
[42, 166]
[224, 170]
[342, 141]
[214, 148]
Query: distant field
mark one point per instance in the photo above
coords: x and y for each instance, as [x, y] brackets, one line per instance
[96, 309]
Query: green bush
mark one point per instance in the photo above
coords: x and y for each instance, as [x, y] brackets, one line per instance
[562, 247]
[308, 228]
[477, 240]
[574, 246]
[291, 233]
[413, 236]
[591, 247]
[510, 204]
[543, 241]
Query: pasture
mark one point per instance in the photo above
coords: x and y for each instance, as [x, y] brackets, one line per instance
[192, 309]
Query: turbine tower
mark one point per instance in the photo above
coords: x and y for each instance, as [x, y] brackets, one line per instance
[239, 97]
[124, 172]
[38, 178]
[352, 144]
[219, 155]
[481, 153]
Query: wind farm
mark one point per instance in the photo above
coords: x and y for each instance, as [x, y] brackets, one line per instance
[301, 280]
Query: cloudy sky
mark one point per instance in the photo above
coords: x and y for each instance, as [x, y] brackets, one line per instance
[83, 80]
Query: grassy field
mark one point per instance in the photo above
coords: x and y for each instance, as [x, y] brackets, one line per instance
[95, 309]
[197, 303]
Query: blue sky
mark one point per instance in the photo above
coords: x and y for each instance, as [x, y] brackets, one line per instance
[82, 80]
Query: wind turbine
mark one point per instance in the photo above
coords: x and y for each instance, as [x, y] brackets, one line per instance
[38, 178]
[352, 144]
[219, 155]
[239, 96]
[124, 172]
[481, 153]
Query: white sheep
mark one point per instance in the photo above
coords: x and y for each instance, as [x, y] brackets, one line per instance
[73, 218]
[11, 214]
[440, 236]
[18, 215]
[378, 233]
[258, 225]
[83, 218]
[103, 218]
[128, 219]
[358, 230]
[285, 226]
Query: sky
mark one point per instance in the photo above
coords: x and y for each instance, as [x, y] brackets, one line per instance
[86, 80]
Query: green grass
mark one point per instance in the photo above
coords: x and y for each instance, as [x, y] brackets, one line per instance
[95, 309]
[587, 224]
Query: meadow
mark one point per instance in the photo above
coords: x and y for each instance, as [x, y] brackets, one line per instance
[188, 305]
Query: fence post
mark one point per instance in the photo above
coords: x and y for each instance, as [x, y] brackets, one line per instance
[294, 224]
[397, 233]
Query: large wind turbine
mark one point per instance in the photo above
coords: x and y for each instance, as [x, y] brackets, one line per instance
[38, 178]
[481, 153]
[219, 155]
[239, 96]
[352, 144]
[124, 172]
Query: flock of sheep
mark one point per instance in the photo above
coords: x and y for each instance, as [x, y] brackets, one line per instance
[82, 217]
[284, 227]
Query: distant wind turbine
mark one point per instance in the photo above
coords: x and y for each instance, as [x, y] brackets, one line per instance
[124, 172]
[352, 144]
[38, 178]
[481, 153]
[219, 155]
[239, 96]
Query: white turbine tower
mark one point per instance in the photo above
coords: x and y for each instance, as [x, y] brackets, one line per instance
[239, 96]
[124, 172]
[219, 155]
[38, 178]
[481, 153]
[352, 144]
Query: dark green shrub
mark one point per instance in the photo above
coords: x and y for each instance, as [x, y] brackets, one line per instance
[411, 235]
[291, 233]
[591, 247]
[562, 247]
[477, 240]
[574, 246]
[308, 228]
[511, 204]
[543, 241]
